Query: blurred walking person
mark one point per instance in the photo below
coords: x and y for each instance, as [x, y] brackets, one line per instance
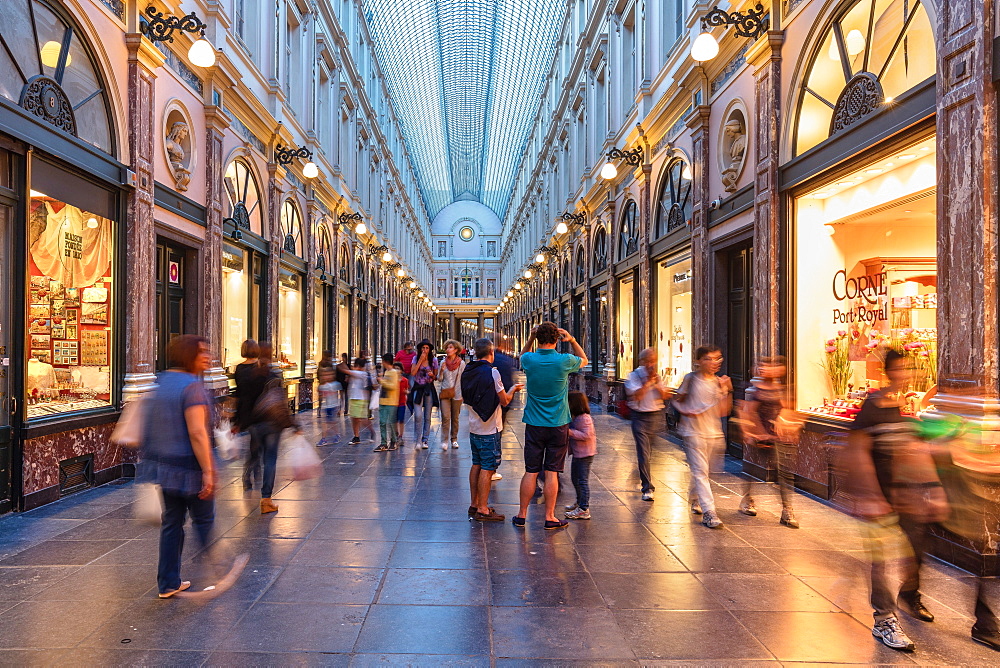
[894, 485]
[451, 393]
[505, 364]
[177, 454]
[703, 399]
[249, 385]
[388, 405]
[359, 389]
[404, 393]
[422, 392]
[269, 416]
[646, 393]
[330, 391]
[770, 427]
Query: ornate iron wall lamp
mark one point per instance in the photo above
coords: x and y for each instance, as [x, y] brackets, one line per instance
[158, 27]
[751, 24]
[382, 250]
[633, 157]
[360, 228]
[284, 155]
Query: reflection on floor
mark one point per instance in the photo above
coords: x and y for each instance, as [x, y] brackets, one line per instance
[376, 563]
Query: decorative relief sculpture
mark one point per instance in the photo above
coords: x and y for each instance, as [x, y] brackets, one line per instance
[178, 149]
[861, 98]
[44, 97]
[734, 147]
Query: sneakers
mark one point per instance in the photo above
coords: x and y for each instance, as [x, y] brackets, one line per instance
[695, 507]
[423, 445]
[382, 447]
[356, 440]
[788, 518]
[393, 446]
[444, 445]
[578, 514]
[647, 496]
[571, 506]
[490, 516]
[911, 603]
[986, 637]
[186, 584]
[891, 635]
[747, 506]
[497, 476]
[454, 444]
[711, 520]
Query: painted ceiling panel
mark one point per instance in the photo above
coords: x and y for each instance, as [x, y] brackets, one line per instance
[465, 78]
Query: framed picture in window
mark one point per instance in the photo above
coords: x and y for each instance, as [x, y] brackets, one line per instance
[94, 314]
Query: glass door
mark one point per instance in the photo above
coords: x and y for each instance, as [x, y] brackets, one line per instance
[8, 402]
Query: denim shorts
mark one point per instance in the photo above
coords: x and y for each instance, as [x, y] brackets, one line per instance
[401, 413]
[485, 451]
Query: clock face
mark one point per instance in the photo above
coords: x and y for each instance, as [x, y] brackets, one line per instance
[46, 66]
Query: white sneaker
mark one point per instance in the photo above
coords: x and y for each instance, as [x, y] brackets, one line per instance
[578, 514]
[891, 634]
[444, 445]
[454, 444]
[695, 507]
[571, 506]
[647, 496]
[711, 520]
[497, 476]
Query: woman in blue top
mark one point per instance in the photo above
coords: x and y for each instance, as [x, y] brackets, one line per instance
[423, 395]
[177, 454]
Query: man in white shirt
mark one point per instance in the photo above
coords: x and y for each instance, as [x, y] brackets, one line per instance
[646, 393]
[482, 390]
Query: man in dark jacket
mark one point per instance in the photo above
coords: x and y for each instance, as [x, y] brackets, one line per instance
[484, 395]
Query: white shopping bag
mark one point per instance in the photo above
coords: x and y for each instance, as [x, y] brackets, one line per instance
[225, 442]
[128, 431]
[148, 503]
[373, 402]
[305, 461]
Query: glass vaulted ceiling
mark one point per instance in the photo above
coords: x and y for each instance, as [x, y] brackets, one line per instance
[465, 78]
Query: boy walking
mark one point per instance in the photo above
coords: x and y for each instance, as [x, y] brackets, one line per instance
[388, 405]
[482, 390]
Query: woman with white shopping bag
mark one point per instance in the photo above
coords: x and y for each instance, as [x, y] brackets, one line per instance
[176, 454]
[269, 417]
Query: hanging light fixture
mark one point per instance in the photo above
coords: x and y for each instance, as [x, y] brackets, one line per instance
[562, 228]
[540, 258]
[159, 27]
[633, 157]
[387, 257]
[527, 273]
[400, 272]
[412, 284]
[753, 23]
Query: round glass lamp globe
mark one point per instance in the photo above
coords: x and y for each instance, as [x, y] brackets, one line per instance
[609, 171]
[518, 286]
[310, 170]
[387, 257]
[412, 285]
[400, 273]
[539, 258]
[562, 228]
[705, 47]
[527, 273]
[420, 294]
[202, 53]
[361, 228]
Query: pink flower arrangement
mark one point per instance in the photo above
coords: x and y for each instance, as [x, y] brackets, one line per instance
[831, 349]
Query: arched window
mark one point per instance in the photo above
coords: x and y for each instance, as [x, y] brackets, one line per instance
[345, 264]
[566, 275]
[373, 283]
[628, 239]
[674, 210]
[359, 273]
[324, 249]
[871, 55]
[600, 250]
[291, 228]
[244, 197]
[48, 70]
[581, 266]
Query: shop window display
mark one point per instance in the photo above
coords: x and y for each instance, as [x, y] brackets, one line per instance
[289, 352]
[866, 281]
[69, 316]
[235, 314]
[626, 326]
[673, 319]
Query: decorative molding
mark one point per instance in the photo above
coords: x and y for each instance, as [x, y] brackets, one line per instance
[738, 61]
[680, 123]
[246, 132]
[183, 71]
[116, 6]
[861, 97]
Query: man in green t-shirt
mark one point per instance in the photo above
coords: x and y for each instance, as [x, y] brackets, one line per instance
[546, 415]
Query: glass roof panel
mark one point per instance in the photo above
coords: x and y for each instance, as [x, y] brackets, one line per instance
[465, 78]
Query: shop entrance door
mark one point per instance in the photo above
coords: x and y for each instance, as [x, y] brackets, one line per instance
[169, 299]
[8, 402]
[739, 335]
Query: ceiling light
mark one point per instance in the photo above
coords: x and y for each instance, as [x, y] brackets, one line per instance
[686, 172]
[925, 148]
[92, 223]
[561, 228]
[905, 156]
[888, 165]
[855, 43]
[50, 55]
[609, 171]
[873, 171]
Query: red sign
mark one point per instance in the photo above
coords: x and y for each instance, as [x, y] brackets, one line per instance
[174, 272]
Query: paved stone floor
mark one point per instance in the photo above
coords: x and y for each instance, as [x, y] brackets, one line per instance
[375, 563]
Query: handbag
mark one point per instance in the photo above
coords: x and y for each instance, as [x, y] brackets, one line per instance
[447, 393]
[128, 431]
[272, 405]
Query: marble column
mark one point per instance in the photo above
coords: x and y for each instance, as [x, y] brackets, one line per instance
[481, 326]
[643, 300]
[210, 323]
[765, 59]
[275, 193]
[140, 249]
[967, 220]
[701, 258]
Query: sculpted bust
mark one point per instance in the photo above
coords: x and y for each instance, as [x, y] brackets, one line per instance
[736, 140]
[177, 155]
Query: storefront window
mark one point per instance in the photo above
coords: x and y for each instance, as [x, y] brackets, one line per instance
[866, 280]
[875, 52]
[70, 307]
[289, 349]
[626, 326]
[673, 319]
[343, 325]
[235, 315]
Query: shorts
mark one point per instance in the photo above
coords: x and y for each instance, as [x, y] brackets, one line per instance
[545, 448]
[401, 413]
[358, 408]
[485, 451]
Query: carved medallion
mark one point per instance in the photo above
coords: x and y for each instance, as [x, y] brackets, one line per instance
[289, 244]
[240, 218]
[675, 218]
[861, 98]
[44, 97]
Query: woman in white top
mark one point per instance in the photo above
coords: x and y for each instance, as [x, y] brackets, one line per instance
[451, 392]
